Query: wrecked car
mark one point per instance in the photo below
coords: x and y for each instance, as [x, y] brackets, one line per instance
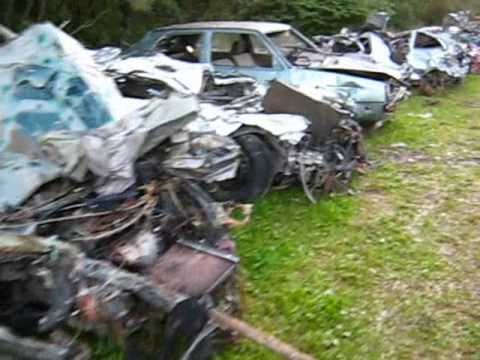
[97, 234]
[463, 20]
[427, 57]
[272, 140]
[265, 52]
[120, 264]
[436, 57]
[465, 28]
[58, 110]
[368, 54]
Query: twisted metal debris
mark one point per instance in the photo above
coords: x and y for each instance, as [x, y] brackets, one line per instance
[118, 178]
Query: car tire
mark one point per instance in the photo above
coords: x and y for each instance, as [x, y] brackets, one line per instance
[255, 174]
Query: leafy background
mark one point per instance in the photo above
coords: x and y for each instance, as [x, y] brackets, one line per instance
[122, 22]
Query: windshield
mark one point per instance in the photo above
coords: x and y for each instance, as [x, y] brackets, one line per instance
[290, 42]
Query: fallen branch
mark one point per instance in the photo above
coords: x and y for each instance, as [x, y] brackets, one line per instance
[7, 33]
[91, 23]
[162, 298]
[64, 24]
[227, 322]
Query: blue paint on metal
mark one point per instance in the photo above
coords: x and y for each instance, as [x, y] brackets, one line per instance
[370, 95]
[46, 84]
[46, 92]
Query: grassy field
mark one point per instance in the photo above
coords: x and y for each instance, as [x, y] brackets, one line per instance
[390, 272]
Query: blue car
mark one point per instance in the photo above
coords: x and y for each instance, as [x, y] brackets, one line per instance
[267, 51]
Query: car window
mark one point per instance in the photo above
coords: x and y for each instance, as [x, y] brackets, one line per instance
[424, 41]
[366, 45]
[400, 48]
[259, 47]
[345, 46]
[244, 50]
[185, 47]
[289, 42]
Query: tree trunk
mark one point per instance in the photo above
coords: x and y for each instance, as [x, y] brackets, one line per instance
[8, 12]
[25, 19]
[7, 33]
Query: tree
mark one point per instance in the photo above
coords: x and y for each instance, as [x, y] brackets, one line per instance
[313, 16]
[119, 22]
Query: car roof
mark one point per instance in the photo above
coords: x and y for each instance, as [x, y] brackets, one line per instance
[261, 26]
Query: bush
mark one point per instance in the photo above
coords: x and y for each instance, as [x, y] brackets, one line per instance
[313, 16]
[119, 22]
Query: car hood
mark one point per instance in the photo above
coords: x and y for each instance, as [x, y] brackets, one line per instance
[355, 64]
[340, 86]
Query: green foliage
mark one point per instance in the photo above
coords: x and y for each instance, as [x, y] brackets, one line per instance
[412, 13]
[312, 16]
[368, 276]
[113, 22]
[122, 22]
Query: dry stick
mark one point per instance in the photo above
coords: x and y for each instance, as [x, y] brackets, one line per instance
[90, 24]
[229, 323]
[7, 33]
[163, 298]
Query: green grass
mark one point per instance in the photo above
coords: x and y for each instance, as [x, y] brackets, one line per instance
[388, 273]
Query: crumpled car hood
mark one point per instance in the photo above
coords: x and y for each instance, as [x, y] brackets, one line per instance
[49, 82]
[59, 114]
[362, 65]
[181, 76]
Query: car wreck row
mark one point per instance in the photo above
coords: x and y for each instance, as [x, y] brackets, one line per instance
[120, 171]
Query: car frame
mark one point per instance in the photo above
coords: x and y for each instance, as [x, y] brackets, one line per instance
[442, 55]
[366, 98]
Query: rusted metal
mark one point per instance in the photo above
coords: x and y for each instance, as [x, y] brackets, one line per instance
[282, 98]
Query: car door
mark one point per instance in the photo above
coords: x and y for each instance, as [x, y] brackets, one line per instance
[425, 51]
[245, 53]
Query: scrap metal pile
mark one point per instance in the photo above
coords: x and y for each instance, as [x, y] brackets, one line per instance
[465, 28]
[107, 219]
[429, 57]
[119, 174]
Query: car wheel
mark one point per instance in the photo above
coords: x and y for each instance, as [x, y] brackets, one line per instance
[255, 173]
